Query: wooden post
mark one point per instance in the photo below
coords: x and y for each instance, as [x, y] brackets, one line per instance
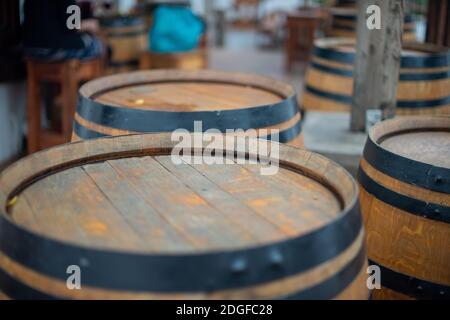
[377, 63]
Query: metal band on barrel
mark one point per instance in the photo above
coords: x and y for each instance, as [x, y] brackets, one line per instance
[407, 170]
[413, 104]
[139, 120]
[432, 211]
[286, 135]
[410, 286]
[166, 273]
[435, 60]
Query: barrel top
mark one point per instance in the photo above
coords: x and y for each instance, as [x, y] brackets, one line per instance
[414, 55]
[423, 139]
[192, 96]
[432, 147]
[172, 90]
[126, 194]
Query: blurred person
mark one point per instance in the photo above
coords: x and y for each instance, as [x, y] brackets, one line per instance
[47, 36]
[175, 29]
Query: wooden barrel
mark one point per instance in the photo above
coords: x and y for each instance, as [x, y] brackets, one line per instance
[191, 60]
[405, 200]
[127, 38]
[424, 86]
[3, 297]
[166, 100]
[139, 225]
[344, 20]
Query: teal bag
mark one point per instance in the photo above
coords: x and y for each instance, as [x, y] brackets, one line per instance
[175, 29]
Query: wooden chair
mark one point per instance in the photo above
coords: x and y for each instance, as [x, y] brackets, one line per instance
[301, 30]
[68, 74]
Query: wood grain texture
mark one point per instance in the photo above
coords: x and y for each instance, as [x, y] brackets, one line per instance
[388, 294]
[147, 204]
[125, 194]
[190, 96]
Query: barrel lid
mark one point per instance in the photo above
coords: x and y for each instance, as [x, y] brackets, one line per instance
[414, 55]
[110, 186]
[148, 203]
[179, 91]
[413, 149]
[431, 147]
[167, 100]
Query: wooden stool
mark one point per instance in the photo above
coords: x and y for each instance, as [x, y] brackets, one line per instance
[68, 74]
[301, 30]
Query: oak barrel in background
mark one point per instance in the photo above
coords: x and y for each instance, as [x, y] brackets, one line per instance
[344, 21]
[187, 60]
[405, 201]
[166, 100]
[191, 60]
[424, 86]
[141, 227]
[127, 38]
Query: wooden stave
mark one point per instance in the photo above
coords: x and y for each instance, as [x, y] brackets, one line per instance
[85, 128]
[3, 296]
[16, 178]
[404, 281]
[329, 83]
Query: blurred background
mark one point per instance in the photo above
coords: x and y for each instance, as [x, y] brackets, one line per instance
[268, 37]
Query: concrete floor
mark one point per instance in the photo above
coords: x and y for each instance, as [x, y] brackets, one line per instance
[267, 63]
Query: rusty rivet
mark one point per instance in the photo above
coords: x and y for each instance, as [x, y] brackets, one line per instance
[84, 262]
[276, 258]
[239, 266]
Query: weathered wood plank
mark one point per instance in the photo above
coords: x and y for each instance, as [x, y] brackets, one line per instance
[268, 199]
[185, 210]
[241, 215]
[377, 62]
[149, 225]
